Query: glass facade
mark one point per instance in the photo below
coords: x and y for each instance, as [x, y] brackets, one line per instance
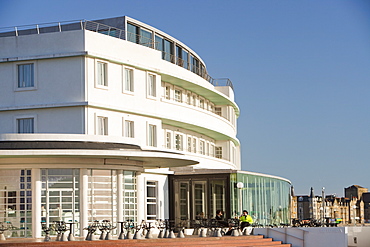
[267, 199]
[61, 195]
[16, 201]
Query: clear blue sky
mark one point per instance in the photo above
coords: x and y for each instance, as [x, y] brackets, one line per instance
[301, 72]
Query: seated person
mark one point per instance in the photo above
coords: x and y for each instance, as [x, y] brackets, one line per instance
[245, 220]
[220, 219]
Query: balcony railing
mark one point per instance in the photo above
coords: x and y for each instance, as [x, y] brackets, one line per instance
[113, 32]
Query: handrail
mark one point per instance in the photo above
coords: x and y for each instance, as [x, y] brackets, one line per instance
[113, 32]
[287, 234]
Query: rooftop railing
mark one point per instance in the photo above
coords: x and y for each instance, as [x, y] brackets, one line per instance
[113, 32]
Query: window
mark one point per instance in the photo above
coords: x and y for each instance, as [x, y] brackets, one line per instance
[201, 147]
[194, 145]
[129, 129]
[102, 126]
[151, 85]
[167, 92]
[212, 151]
[158, 43]
[218, 111]
[194, 100]
[201, 103]
[25, 75]
[185, 59]
[188, 99]
[25, 125]
[178, 142]
[178, 95]
[132, 33]
[151, 200]
[101, 74]
[168, 50]
[168, 140]
[219, 152]
[152, 135]
[145, 38]
[129, 80]
[189, 144]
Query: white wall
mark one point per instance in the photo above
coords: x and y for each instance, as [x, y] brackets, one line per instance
[319, 236]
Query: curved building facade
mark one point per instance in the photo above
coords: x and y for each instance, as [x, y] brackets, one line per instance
[94, 117]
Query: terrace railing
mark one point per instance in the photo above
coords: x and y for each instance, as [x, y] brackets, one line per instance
[113, 32]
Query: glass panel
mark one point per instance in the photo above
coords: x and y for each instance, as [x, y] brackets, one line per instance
[145, 38]
[159, 43]
[25, 75]
[132, 33]
[199, 199]
[16, 201]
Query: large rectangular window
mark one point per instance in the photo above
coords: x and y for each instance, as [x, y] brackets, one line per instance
[152, 135]
[185, 59]
[151, 200]
[16, 201]
[101, 74]
[132, 33]
[129, 129]
[25, 125]
[189, 144]
[129, 80]
[168, 50]
[151, 86]
[145, 38]
[26, 75]
[102, 126]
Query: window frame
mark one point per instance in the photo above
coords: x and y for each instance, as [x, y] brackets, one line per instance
[105, 126]
[178, 97]
[19, 117]
[168, 140]
[16, 76]
[98, 77]
[152, 135]
[151, 86]
[151, 200]
[179, 142]
[128, 128]
[128, 87]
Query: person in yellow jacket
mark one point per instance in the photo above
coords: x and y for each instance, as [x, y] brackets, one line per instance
[245, 220]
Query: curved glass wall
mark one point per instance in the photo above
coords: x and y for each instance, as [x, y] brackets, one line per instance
[267, 199]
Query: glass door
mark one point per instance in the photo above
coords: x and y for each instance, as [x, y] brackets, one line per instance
[200, 199]
[182, 198]
[218, 197]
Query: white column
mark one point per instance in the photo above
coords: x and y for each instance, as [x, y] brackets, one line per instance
[119, 198]
[140, 186]
[36, 202]
[84, 185]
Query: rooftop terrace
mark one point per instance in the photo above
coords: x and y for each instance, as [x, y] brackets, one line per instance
[170, 52]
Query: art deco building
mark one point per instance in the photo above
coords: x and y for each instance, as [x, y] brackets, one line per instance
[116, 120]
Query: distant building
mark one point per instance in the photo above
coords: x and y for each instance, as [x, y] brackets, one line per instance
[352, 209]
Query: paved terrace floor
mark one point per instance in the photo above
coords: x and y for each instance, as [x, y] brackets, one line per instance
[245, 241]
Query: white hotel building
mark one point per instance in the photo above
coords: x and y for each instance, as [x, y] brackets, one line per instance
[116, 120]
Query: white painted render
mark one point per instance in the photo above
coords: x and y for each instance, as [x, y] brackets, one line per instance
[66, 102]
